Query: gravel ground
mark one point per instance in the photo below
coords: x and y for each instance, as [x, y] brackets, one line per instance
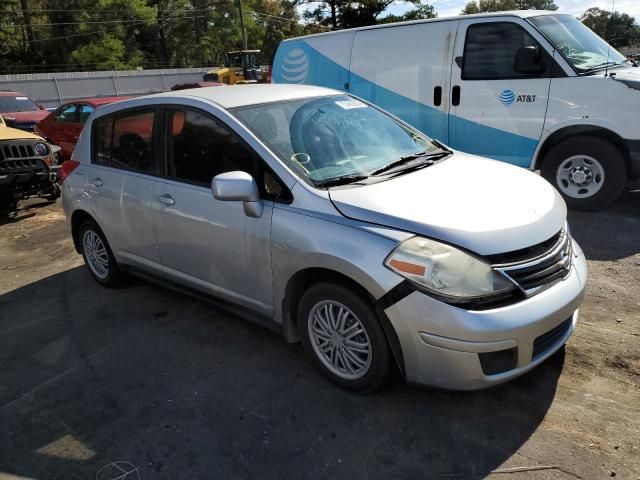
[173, 388]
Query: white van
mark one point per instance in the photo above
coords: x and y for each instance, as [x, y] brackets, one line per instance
[532, 88]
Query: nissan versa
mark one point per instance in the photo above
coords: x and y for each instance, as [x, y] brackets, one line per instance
[327, 219]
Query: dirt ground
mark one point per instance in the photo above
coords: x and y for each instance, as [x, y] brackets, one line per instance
[95, 383]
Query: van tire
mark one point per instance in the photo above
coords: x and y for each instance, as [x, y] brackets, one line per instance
[569, 154]
[379, 358]
[114, 276]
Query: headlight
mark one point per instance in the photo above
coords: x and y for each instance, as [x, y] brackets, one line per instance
[446, 270]
[41, 149]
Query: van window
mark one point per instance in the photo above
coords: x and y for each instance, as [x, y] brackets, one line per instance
[124, 140]
[490, 51]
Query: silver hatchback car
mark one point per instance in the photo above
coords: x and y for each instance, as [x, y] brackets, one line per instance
[327, 219]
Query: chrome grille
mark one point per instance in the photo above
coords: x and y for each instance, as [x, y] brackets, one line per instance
[543, 271]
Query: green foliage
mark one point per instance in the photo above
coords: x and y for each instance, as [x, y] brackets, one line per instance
[619, 29]
[481, 6]
[338, 14]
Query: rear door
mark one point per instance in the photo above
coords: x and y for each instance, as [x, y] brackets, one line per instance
[406, 70]
[496, 111]
[120, 182]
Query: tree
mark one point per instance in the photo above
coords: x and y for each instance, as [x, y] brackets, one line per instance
[338, 14]
[619, 29]
[481, 6]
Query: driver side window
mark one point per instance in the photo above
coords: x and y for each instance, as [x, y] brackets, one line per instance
[199, 147]
[67, 114]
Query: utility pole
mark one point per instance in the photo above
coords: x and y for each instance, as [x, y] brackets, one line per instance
[244, 32]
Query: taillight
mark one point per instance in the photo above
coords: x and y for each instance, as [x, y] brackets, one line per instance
[68, 166]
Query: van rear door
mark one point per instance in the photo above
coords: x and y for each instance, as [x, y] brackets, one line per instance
[497, 110]
[406, 70]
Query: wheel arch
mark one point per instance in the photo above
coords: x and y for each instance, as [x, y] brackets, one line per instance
[570, 131]
[78, 217]
[302, 280]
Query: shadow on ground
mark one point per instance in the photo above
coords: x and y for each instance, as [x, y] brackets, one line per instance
[183, 390]
[620, 224]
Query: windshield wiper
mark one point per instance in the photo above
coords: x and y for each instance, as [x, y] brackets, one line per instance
[600, 66]
[342, 180]
[427, 159]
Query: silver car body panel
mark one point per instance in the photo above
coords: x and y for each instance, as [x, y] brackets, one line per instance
[212, 246]
[482, 205]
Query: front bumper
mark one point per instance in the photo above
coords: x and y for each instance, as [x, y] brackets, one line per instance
[442, 345]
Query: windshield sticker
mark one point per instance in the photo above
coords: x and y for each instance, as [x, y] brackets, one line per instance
[22, 98]
[349, 104]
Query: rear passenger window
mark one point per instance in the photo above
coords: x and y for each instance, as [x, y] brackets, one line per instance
[102, 137]
[490, 50]
[200, 147]
[83, 113]
[124, 141]
[132, 138]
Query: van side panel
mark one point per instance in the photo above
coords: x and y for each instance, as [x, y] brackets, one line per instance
[398, 68]
[321, 60]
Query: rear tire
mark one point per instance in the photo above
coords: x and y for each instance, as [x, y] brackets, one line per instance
[590, 173]
[341, 332]
[98, 256]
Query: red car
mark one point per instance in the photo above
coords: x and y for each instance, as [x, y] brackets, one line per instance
[19, 111]
[62, 127]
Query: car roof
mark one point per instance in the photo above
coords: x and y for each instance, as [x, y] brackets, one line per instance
[97, 101]
[507, 13]
[11, 93]
[232, 96]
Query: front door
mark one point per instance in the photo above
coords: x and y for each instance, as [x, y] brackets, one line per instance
[496, 111]
[209, 244]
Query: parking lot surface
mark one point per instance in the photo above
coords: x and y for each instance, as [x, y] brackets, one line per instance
[151, 382]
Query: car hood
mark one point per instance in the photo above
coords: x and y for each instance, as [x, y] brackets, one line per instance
[8, 133]
[629, 76]
[27, 116]
[482, 205]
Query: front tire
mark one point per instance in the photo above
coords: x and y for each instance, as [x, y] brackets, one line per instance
[98, 256]
[589, 172]
[342, 334]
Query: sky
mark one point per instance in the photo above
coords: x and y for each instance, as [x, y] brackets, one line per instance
[574, 7]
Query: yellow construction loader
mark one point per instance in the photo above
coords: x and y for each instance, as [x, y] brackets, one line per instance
[240, 66]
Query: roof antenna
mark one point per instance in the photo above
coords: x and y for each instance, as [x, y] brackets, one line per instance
[606, 68]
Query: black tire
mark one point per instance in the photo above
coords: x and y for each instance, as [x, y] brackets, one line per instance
[611, 159]
[380, 365]
[113, 275]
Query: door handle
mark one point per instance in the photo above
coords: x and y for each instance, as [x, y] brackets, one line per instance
[455, 96]
[166, 200]
[96, 182]
[437, 96]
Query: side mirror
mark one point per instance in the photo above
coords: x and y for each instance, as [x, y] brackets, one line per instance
[238, 187]
[527, 61]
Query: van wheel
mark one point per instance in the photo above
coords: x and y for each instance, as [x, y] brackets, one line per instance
[589, 172]
[98, 256]
[342, 334]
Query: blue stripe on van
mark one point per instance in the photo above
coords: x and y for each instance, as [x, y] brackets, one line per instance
[297, 62]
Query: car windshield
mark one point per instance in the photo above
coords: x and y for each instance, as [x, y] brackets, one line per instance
[580, 45]
[333, 137]
[17, 104]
